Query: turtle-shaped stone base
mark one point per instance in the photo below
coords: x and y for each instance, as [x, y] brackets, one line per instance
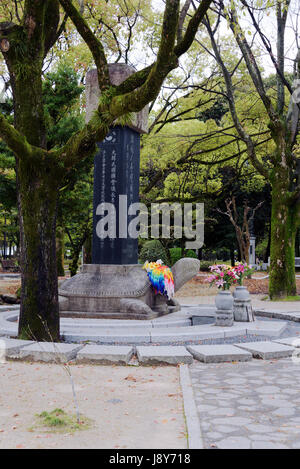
[120, 291]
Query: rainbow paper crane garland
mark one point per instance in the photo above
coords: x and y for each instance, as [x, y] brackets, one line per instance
[161, 278]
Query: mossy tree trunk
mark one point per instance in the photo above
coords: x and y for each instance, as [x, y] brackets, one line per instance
[39, 315]
[60, 250]
[38, 173]
[37, 182]
[284, 224]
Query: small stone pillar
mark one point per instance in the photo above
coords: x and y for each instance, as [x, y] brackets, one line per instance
[116, 176]
[224, 317]
[252, 259]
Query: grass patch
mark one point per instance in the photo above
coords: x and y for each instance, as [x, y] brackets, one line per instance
[287, 298]
[290, 298]
[58, 421]
[265, 298]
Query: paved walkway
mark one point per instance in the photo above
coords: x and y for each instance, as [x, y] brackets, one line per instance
[248, 405]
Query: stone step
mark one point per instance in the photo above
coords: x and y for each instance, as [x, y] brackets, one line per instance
[12, 347]
[218, 353]
[266, 350]
[49, 352]
[122, 323]
[105, 354]
[172, 355]
[291, 341]
[267, 328]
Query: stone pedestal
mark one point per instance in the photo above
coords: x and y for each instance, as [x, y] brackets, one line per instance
[108, 291]
[224, 317]
[120, 291]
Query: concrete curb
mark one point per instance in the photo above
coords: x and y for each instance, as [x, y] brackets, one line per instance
[286, 316]
[195, 439]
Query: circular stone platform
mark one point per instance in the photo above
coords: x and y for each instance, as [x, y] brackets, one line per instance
[191, 325]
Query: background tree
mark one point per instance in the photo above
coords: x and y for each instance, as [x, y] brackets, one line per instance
[280, 166]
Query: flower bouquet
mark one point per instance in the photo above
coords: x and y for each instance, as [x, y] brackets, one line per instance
[242, 271]
[223, 276]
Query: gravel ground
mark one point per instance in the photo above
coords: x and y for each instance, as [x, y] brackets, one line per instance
[130, 407]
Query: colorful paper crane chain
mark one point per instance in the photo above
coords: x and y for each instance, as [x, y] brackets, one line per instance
[161, 278]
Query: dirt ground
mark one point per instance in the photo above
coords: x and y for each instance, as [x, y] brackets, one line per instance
[131, 407]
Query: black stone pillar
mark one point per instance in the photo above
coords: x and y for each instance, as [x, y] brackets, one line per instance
[116, 173]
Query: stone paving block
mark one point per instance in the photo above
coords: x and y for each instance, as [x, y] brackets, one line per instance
[105, 354]
[49, 352]
[185, 334]
[11, 347]
[172, 355]
[218, 353]
[266, 328]
[266, 350]
[235, 330]
[291, 341]
[234, 442]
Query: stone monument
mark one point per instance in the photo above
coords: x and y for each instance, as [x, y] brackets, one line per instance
[115, 285]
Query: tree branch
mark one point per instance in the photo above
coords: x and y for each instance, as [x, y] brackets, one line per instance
[16, 141]
[166, 61]
[192, 28]
[92, 42]
[182, 17]
[252, 66]
[138, 79]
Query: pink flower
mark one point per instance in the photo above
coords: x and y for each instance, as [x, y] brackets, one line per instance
[220, 283]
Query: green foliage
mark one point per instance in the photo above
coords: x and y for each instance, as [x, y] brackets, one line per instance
[204, 266]
[152, 251]
[175, 254]
[261, 248]
[61, 94]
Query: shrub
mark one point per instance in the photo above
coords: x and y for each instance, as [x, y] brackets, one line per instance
[204, 266]
[152, 251]
[191, 253]
[175, 254]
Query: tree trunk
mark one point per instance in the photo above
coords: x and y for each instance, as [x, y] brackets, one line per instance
[74, 262]
[60, 247]
[87, 250]
[38, 179]
[284, 222]
[39, 314]
[297, 244]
